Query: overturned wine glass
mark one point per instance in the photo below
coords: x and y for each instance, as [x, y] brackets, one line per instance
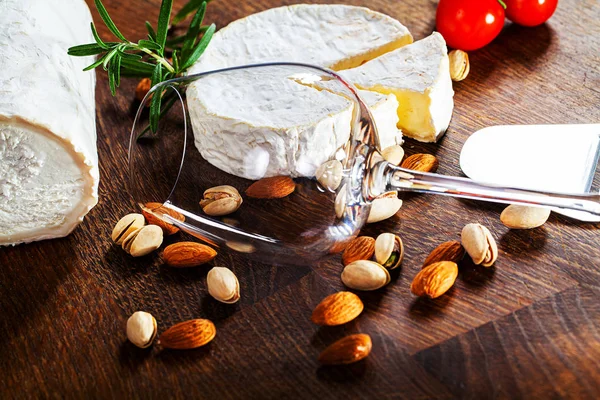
[238, 125]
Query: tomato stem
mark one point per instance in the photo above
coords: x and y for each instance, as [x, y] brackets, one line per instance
[503, 4]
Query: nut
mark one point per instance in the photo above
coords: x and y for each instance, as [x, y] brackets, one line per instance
[143, 88]
[188, 335]
[188, 254]
[347, 350]
[421, 162]
[143, 241]
[126, 225]
[435, 279]
[221, 200]
[275, 187]
[361, 248]
[159, 214]
[384, 207]
[480, 244]
[141, 329]
[365, 275]
[337, 309]
[393, 154]
[459, 65]
[524, 217]
[329, 174]
[389, 250]
[447, 251]
[223, 285]
[240, 247]
[340, 201]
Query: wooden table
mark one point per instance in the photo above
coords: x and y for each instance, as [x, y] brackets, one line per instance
[527, 328]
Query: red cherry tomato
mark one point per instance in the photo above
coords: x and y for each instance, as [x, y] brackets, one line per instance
[469, 24]
[530, 12]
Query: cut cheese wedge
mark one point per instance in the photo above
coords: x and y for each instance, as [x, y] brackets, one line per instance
[332, 36]
[419, 76]
[48, 159]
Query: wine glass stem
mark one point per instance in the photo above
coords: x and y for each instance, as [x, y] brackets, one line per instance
[401, 179]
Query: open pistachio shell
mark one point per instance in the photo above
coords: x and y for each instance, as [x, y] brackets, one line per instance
[389, 250]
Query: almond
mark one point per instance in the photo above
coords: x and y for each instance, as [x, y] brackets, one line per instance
[188, 335]
[275, 187]
[447, 251]
[188, 254]
[337, 309]
[347, 350]
[435, 279]
[142, 89]
[361, 248]
[421, 162]
[154, 215]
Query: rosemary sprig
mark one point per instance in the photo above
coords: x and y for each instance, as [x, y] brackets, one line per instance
[148, 57]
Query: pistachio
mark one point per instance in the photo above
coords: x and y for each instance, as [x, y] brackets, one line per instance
[221, 200]
[389, 250]
[125, 226]
[393, 154]
[365, 275]
[340, 202]
[459, 65]
[141, 329]
[479, 244]
[329, 174]
[524, 217]
[383, 207]
[223, 285]
[240, 247]
[143, 241]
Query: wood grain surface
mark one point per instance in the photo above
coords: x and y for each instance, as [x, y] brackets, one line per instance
[529, 327]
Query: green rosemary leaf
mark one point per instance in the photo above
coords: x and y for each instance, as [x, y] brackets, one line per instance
[117, 62]
[137, 67]
[112, 82]
[156, 99]
[172, 99]
[163, 23]
[175, 40]
[97, 63]
[97, 37]
[186, 10]
[151, 32]
[108, 21]
[147, 44]
[200, 47]
[175, 57]
[193, 31]
[130, 56]
[85, 50]
[109, 57]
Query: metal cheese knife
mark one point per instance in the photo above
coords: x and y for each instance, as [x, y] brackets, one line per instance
[550, 158]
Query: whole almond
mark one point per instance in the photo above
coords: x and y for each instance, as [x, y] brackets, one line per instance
[435, 279]
[337, 309]
[188, 335]
[421, 162]
[480, 244]
[275, 187]
[188, 254]
[347, 350]
[157, 214]
[447, 251]
[361, 248]
[143, 88]
[524, 217]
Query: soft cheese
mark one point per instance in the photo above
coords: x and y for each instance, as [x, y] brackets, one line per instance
[48, 158]
[419, 76]
[310, 121]
[332, 36]
[259, 122]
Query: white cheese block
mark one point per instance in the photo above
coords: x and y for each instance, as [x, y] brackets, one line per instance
[48, 159]
[257, 123]
[419, 76]
[332, 36]
[310, 122]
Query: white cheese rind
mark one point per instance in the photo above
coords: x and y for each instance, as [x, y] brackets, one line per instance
[332, 36]
[258, 123]
[48, 158]
[421, 71]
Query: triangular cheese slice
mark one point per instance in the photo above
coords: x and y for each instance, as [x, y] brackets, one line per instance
[419, 76]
